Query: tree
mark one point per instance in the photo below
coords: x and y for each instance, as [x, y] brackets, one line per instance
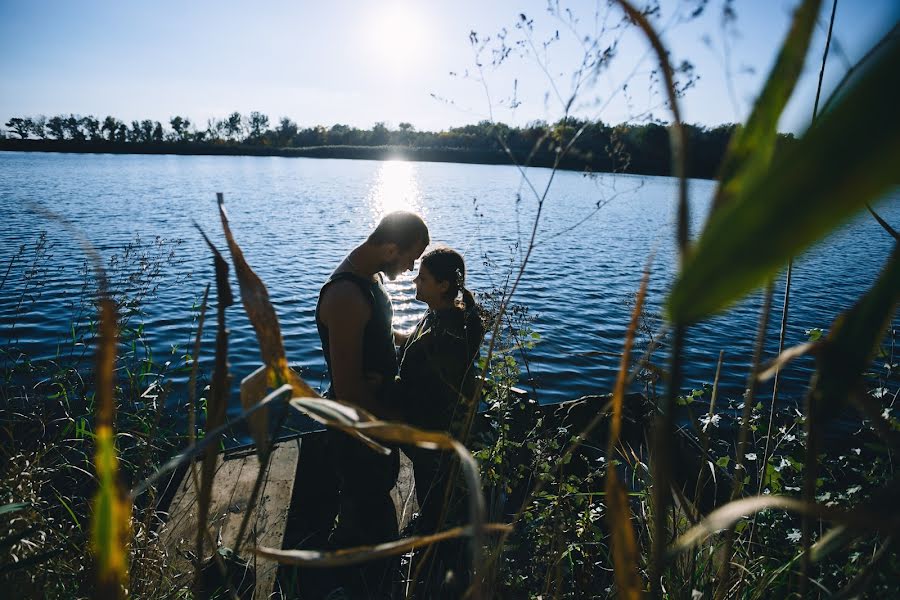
[134, 133]
[233, 126]
[91, 127]
[338, 134]
[285, 131]
[158, 133]
[181, 128]
[380, 134]
[404, 136]
[56, 127]
[110, 127]
[71, 124]
[21, 127]
[122, 132]
[37, 126]
[257, 123]
[147, 128]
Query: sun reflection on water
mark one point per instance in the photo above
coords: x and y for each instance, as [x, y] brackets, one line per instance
[396, 187]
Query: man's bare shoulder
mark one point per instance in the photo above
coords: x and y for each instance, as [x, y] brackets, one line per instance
[343, 299]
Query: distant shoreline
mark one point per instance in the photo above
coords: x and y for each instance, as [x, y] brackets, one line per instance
[573, 162]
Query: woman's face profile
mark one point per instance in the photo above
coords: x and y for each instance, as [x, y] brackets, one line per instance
[428, 289]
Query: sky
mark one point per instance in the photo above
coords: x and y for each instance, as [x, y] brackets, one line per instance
[359, 62]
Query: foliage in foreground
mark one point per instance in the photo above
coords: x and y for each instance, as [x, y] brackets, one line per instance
[825, 517]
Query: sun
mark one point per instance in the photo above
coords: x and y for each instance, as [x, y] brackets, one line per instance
[396, 35]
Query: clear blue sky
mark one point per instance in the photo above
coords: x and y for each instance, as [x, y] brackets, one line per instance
[358, 62]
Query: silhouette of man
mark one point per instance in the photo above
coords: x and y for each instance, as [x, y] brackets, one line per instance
[354, 319]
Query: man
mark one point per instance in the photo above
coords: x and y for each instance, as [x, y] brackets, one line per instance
[354, 318]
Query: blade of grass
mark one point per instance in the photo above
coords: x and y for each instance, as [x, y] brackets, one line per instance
[353, 556]
[838, 166]
[752, 145]
[664, 423]
[726, 516]
[259, 309]
[740, 468]
[218, 398]
[624, 547]
[884, 224]
[854, 338]
[192, 384]
[111, 520]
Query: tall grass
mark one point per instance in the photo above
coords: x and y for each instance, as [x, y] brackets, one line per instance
[552, 529]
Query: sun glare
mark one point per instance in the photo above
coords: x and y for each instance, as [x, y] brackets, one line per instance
[396, 34]
[395, 188]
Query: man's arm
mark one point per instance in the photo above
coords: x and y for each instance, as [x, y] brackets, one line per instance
[345, 313]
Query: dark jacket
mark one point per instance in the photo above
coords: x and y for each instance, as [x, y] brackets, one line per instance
[437, 371]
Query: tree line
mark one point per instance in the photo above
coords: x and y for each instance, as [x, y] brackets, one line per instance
[633, 148]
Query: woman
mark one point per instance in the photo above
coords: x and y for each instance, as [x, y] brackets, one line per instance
[436, 384]
[437, 373]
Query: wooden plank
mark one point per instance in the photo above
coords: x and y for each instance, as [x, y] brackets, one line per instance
[232, 487]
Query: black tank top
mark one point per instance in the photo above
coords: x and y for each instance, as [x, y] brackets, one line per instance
[379, 354]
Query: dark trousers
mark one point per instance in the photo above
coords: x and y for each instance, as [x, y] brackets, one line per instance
[366, 513]
[443, 568]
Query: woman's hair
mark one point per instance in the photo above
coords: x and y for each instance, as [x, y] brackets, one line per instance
[446, 264]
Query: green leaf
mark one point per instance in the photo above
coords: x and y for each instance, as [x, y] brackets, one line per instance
[854, 337]
[14, 507]
[841, 163]
[751, 147]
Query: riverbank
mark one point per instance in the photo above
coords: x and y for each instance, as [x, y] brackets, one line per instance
[574, 160]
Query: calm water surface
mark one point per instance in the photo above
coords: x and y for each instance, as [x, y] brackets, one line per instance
[296, 219]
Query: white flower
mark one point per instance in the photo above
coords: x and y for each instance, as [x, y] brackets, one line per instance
[751, 456]
[706, 421]
[794, 535]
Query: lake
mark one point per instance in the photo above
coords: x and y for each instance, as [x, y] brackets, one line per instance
[295, 218]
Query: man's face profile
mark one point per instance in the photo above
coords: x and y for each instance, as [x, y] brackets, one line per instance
[402, 261]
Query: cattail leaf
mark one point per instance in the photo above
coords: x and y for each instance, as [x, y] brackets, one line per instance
[752, 145]
[360, 554]
[729, 514]
[218, 394]
[838, 166]
[626, 557]
[853, 340]
[13, 507]
[338, 415]
[255, 298]
[111, 519]
[624, 546]
[781, 361]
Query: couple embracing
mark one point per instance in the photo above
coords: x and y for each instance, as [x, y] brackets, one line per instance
[425, 378]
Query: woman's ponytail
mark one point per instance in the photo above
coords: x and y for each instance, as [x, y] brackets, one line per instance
[468, 299]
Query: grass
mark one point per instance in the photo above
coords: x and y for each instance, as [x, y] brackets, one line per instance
[576, 508]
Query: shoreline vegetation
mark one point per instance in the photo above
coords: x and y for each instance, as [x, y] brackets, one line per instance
[601, 513]
[638, 149]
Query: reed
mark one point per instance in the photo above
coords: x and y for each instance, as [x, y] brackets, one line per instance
[555, 508]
